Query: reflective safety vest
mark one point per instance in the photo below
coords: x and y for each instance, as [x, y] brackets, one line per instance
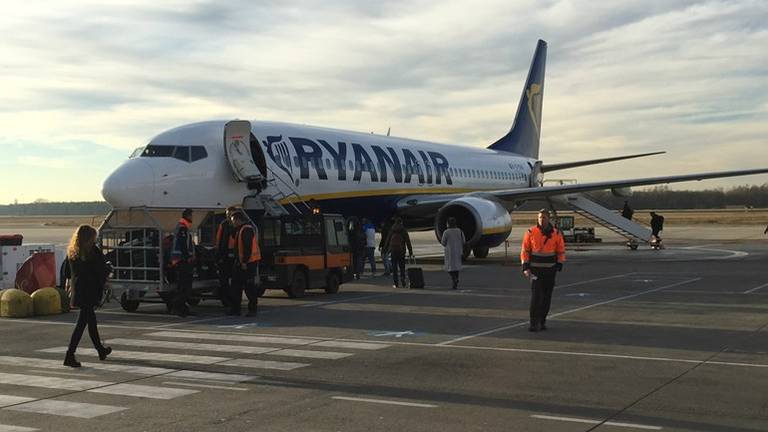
[177, 254]
[255, 251]
[541, 251]
[226, 229]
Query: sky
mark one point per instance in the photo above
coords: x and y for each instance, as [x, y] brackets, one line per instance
[83, 83]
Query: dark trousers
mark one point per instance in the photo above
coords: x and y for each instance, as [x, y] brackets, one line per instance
[357, 262]
[243, 280]
[184, 274]
[225, 274]
[541, 294]
[87, 317]
[370, 256]
[398, 266]
[454, 279]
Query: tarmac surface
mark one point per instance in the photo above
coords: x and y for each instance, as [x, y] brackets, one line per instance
[672, 340]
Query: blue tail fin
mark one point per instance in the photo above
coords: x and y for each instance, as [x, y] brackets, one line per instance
[523, 138]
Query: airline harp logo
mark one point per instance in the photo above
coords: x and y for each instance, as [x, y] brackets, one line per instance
[533, 94]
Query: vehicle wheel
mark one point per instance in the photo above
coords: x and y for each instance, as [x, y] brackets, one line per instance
[194, 301]
[128, 305]
[480, 252]
[633, 246]
[332, 284]
[298, 285]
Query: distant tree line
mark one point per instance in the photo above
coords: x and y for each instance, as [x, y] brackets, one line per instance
[660, 197]
[40, 208]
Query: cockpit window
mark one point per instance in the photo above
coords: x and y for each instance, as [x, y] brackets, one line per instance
[157, 151]
[181, 153]
[198, 152]
[136, 152]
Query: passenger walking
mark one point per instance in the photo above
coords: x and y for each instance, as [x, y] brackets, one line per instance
[182, 259]
[88, 271]
[627, 211]
[226, 236]
[246, 265]
[370, 245]
[357, 243]
[386, 257]
[453, 240]
[657, 225]
[397, 243]
[542, 255]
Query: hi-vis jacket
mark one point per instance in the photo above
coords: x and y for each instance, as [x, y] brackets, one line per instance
[226, 236]
[247, 245]
[183, 248]
[541, 251]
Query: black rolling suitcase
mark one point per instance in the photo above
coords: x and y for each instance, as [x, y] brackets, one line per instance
[415, 276]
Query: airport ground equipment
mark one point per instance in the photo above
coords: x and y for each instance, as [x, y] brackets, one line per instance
[606, 217]
[137, 241]
[301, 252]
[573, 234]
[12, 257]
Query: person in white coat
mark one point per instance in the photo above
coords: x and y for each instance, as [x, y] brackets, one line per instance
[453, 240]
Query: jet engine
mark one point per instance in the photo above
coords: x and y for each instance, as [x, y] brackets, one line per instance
[484, 221]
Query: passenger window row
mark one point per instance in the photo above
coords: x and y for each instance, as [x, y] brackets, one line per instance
[184, 153]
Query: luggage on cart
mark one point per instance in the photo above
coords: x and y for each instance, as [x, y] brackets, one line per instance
[415, 276]
[11, 239]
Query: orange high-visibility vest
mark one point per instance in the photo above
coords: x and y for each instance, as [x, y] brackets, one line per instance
[176, 256]
[230, 239]
[540, 251]
[255, 251]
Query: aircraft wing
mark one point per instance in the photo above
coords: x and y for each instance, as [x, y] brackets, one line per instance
[416, 204]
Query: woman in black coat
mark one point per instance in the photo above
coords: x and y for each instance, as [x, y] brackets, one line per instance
[88, 273]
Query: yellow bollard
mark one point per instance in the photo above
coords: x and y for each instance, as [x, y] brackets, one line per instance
[46, 301]
[15, 304]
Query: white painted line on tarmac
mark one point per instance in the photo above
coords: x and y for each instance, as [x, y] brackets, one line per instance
[49, 372]
[8, 400]
[264, 364]
[208, 386]
[384, 401]
[143, 391]
[235, 337]
[594, 280]
[523, 323]
[351, 345]
[212, 376]
[50, 382]
[9, 428]
[149, 356]
[192, 346]
[750, 291]
[326, 355]
[68, 409]
[589, 421]
[57, 364]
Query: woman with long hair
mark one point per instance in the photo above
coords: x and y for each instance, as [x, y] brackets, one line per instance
[88, 272]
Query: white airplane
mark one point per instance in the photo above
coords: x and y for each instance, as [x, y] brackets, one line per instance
[215, 164]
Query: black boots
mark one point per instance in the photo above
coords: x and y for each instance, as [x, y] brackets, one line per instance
[69, 360]
[104, 352]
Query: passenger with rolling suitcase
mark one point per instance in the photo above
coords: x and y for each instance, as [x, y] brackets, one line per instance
[397, 242]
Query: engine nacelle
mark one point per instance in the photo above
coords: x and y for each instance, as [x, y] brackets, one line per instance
[485, 222]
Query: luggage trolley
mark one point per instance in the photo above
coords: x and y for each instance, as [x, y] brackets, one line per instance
[137, 241]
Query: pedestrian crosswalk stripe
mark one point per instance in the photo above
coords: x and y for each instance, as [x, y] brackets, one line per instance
[213, 376]
[310, 354]
[271, 340]
[50, 382]
[189, 384]
[149, 356]
[351, 345]
[57, 364]
[236, 338]
[7, 400]
[142, 391]
[264, 364]
[68, 409]
[192, 346]
[9, 428]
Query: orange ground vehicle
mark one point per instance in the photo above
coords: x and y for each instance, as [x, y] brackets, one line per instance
[304, 252]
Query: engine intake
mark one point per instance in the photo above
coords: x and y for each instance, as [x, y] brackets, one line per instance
[485, 222]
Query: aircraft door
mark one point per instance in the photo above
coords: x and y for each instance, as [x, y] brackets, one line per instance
[237, 147]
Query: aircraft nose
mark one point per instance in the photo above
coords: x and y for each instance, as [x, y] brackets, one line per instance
[132, 184]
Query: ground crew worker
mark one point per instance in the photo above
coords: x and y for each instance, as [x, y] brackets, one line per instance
[246, 264]
[226, 236]
[182, 259]
[542, 256]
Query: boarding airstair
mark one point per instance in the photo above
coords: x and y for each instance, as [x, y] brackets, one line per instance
[581, 205]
